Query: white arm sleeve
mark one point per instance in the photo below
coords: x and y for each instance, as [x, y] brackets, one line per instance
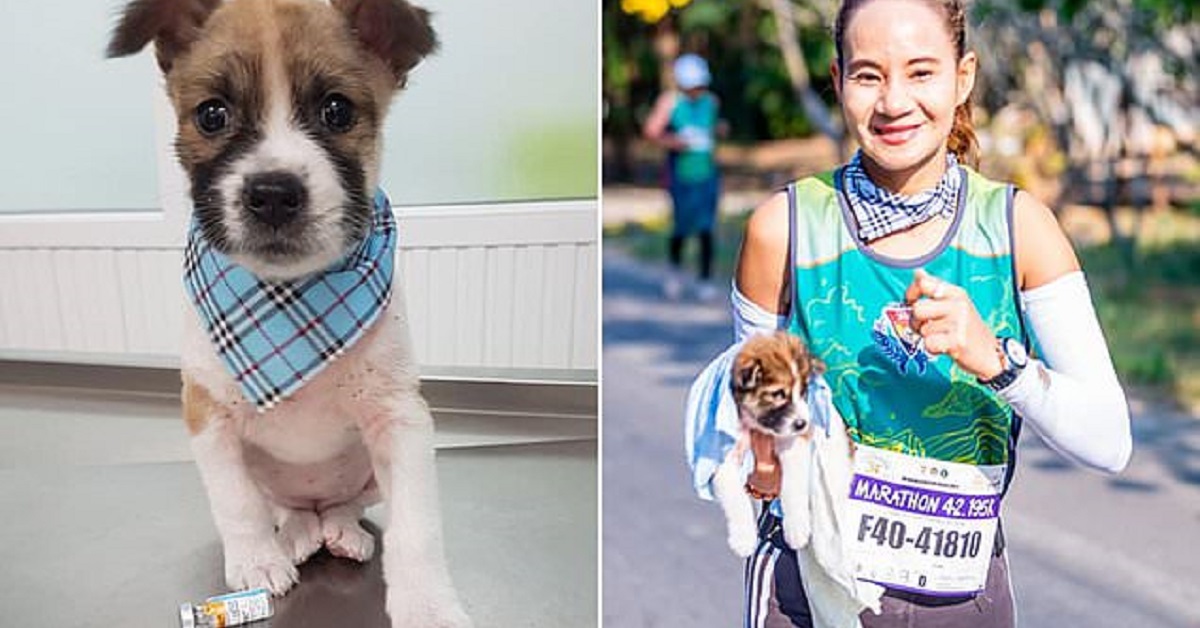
[749, 318]
[1073, 401]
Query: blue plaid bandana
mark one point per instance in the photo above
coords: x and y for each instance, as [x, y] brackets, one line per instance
[880, 212]
[276, 336]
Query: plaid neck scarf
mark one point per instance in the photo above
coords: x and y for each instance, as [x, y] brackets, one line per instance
[275, 336]
[880, 212]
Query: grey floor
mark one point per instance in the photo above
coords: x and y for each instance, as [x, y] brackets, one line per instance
[103, 521]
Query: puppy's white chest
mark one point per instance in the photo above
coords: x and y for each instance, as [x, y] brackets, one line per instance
[312, 427]
[320, 421]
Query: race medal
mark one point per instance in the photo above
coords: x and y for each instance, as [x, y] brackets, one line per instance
[922, 525]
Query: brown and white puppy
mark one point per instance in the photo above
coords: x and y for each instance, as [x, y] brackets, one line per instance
[284, 100]
[769, 381]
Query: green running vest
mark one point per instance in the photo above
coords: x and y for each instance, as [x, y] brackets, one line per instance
[892, 394]
[696, 122]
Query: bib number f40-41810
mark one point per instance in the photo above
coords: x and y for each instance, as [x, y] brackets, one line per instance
[923, 525]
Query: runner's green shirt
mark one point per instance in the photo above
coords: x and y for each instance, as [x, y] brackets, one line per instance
[695, 121]
[849, 299]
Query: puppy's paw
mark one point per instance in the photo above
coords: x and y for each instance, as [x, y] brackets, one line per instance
[796, 531]
[255, 564]
[346, 538]
[299, 534]
[422, 607]
[742, 540]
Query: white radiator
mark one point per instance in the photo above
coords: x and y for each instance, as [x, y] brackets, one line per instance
[492, 289]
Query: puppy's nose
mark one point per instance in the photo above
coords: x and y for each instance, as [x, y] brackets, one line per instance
[274, 197]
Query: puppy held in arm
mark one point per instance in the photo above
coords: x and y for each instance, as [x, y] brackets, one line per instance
[300, 389]
[770, 384]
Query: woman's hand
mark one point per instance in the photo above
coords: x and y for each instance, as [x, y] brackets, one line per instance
[672, 141]
[949, 324]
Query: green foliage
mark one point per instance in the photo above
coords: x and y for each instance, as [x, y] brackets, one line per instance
[1168, 12]
[767, 86]
[1070, 8]
[1164, 12]
[630, 73]
[739, 42]
[1149, 313]
[707, 16]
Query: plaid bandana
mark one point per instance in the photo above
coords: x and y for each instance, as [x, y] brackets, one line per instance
[276, 336]
[880, 212]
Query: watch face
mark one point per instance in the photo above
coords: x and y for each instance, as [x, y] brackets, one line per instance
[1015, 353]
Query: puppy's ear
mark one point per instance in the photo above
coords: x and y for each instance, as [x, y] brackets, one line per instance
[748, 375]
[808, 363]
[173, 25]
[393, 30]
[797, 349]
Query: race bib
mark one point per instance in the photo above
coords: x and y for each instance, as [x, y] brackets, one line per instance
[922, 525]
[697, 139]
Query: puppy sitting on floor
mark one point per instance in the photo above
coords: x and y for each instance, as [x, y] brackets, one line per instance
[770, 383]
[299, 384]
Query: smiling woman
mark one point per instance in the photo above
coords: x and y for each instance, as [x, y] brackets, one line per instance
[907, 96]
[922, 286]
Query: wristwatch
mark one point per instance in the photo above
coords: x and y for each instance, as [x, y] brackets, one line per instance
[1014, 359]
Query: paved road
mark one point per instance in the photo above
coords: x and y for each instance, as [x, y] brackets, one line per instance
[1087, 550]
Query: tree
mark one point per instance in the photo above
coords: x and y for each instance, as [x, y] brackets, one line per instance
[1106, 76]
[764, 92]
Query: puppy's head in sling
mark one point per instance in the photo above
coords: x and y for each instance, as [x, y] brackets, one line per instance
[279, 105]
[770, 384]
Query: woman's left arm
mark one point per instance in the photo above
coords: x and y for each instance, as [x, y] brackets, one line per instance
[1073, 399]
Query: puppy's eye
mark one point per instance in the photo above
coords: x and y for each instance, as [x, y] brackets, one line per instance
[212, 116]
[337, 113]
[779, 394]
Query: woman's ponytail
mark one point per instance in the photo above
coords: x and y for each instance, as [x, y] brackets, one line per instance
[962, 141]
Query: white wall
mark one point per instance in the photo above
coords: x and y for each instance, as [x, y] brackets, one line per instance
[76, 128]
[506, 110]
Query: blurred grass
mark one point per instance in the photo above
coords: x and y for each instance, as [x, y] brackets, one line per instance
[647, 240]
[1150, 312]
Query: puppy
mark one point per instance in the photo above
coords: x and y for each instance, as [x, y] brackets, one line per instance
[280, 106]
[769, 384]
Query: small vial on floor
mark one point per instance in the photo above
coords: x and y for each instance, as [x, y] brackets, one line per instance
[233, 609]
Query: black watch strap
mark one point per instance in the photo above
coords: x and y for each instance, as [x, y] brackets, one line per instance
[1013, 357]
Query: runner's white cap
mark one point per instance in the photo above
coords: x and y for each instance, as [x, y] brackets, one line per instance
[691, 71]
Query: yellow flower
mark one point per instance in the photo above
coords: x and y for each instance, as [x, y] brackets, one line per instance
[651, 11]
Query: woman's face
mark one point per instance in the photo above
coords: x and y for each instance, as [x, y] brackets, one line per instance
[899, 84]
